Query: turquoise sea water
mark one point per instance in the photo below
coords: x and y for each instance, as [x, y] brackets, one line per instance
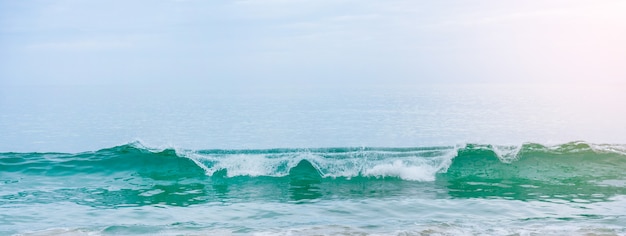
[573, 188]
[433, 160]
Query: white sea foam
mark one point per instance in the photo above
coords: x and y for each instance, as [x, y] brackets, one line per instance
[450, 229]
[423, 172]
[609, 148]
[416, 165]
[507, 154]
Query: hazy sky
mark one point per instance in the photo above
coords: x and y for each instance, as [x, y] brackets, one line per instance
[309, 42]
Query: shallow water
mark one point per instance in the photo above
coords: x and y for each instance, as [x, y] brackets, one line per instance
[574, 188]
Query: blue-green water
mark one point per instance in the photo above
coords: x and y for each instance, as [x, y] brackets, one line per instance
[574, 188]
[421, 160]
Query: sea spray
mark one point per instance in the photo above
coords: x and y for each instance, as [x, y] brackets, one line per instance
[131, 189]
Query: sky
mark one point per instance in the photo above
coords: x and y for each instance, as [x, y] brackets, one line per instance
[79, 75]
[310, 42]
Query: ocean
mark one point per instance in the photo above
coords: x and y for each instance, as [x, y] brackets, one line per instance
[420, 160]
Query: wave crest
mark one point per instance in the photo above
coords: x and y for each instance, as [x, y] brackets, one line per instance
[415, 164]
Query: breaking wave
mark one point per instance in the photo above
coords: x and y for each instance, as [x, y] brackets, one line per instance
[412, 164]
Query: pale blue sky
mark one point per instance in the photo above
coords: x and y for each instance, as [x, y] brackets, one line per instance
[307, 43]
[81, 75]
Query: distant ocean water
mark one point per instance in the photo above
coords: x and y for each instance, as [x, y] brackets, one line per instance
[431, 160]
